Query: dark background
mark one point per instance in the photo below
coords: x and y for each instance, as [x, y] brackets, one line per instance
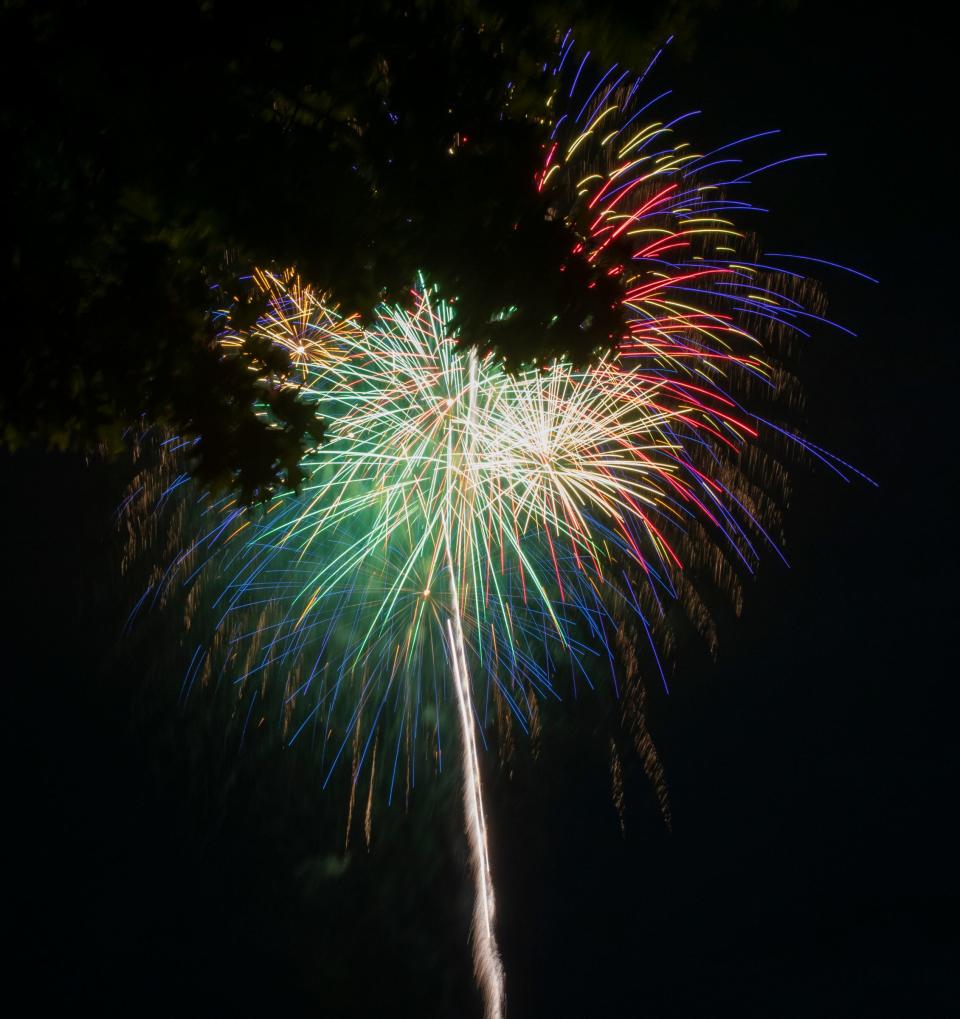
[812, 769]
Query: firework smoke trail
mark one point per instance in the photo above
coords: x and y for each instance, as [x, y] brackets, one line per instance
[462, 527]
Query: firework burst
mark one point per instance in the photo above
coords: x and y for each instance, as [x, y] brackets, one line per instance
[487, 540]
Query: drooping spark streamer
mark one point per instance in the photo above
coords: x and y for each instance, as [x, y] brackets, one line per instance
[501, 535]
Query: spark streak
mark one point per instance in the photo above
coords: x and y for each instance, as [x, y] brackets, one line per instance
[486, 957]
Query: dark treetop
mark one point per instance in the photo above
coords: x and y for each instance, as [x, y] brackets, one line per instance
[152, 164]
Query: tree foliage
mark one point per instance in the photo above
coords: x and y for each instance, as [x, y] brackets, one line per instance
[151, 163]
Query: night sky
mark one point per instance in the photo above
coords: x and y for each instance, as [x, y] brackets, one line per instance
[811, 870]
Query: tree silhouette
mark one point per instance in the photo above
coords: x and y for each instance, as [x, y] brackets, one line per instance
[150, 164]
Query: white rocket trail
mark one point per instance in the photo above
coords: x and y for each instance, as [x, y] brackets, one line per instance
[487, 967]
[486, 957]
